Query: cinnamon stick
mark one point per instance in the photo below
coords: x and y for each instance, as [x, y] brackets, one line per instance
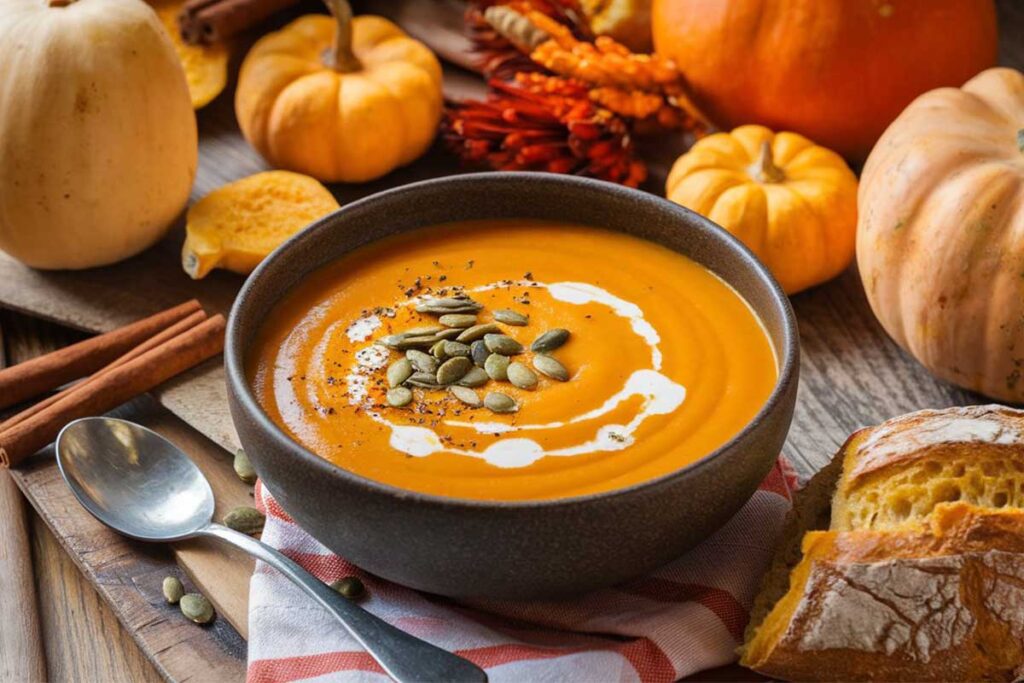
[151, 343]
[203, 22]
[45, 373]
[113, 388]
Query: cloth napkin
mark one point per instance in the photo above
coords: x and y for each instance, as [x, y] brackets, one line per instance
[682, 618]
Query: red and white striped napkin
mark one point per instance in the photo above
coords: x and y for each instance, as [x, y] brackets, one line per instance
[683, 618]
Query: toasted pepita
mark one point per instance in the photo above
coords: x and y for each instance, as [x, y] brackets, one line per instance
[550, 340]
[498, 402]
[549, 366]
[510, 317]
[521, 376]
[503, 344]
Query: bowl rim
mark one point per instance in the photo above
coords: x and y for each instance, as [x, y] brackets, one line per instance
[234, 357]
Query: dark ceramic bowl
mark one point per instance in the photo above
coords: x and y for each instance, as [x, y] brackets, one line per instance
[545, 548]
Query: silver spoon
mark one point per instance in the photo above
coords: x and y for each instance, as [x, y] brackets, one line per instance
[143, 486]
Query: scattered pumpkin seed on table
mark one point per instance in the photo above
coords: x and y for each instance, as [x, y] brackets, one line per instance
[521, 376]
[196, 607]
[549, 366]
[466, 395]
[246, 519]
[399, 371]
[173, 590]
[349, 586]
[453, 369]
[476, 377]
[510, 317]
[398, 397]
[498, 402]
[243, 468]
[503, 344]
[496, 367]
[550, 340]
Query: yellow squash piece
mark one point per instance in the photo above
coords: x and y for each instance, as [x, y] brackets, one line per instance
[792, 202]
[206, 66]
[238, 225]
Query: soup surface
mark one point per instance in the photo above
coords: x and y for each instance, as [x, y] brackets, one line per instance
[665, 361]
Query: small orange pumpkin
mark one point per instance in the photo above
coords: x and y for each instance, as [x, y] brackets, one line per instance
[940, 242]
[343, 99]
[792, 202]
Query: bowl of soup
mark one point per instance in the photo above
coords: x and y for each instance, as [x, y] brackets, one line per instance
[511, 385]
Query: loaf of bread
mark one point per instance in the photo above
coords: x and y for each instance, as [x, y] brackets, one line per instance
[918, 572]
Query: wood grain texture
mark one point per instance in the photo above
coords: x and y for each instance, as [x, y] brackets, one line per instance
[89, 578]
[21, 640]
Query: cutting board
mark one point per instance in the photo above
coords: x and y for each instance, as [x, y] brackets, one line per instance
[851, 374]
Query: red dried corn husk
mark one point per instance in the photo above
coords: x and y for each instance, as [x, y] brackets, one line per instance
[497, 56]
[543, 123]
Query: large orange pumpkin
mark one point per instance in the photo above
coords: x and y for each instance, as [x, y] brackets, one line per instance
[837, 71]
[940, 239]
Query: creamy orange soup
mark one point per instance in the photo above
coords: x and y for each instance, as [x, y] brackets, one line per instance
[666, 362]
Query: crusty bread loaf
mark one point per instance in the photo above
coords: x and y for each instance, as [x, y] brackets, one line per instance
[921, 573]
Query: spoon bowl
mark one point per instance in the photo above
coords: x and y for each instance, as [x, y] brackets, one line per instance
[143, 486]
[134, 480]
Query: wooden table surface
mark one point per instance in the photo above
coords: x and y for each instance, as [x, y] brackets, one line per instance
[84, 641]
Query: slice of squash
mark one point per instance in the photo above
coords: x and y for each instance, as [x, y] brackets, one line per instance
[206, 66]
[236, 226]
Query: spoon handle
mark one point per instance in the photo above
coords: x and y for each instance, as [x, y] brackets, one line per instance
[404, 657]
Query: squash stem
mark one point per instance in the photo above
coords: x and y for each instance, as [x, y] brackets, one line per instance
[340, 57]
[764, 169]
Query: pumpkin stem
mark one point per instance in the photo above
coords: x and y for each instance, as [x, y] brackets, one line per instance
[340, 57]
[764, 169]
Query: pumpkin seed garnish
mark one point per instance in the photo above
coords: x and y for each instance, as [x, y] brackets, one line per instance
[454, 348]
[246, 519]
[453, 369]
[398, 397]
[449, 333]
[426, 380]
[496, 367]
[498, 402]
[243, 468]
[437, 350]
[510, 317]
[424, 331]
[173, 590]
[196, 607]
[421, 362]
[414, 343]
[349, 586]
[466, 395]
[478, 352]
[521, 376]
[400, 370]
[460, 320]
[476, 377]
[550, 340]
[461, 304]
[503, 344]
[471, 334]
[549, 366]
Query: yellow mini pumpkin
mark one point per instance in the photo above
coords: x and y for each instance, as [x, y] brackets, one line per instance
[792, 202]
[343, 99]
